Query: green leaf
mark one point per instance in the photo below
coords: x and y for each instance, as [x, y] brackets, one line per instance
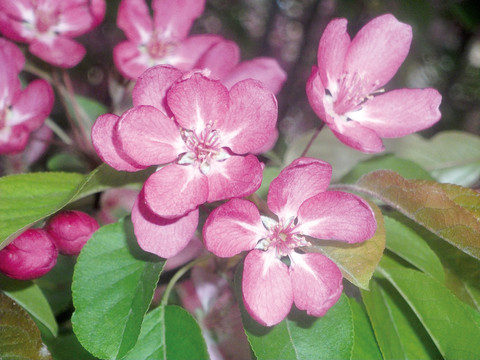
[410, 246]
[66, 162]
[356, 261]
[91, 107]
[169, 332]
[30, 297]
[113, 285]
[19, 337]
[399, 333]
[67, 347]
[304, 337]
[408, 169]
[450, 156]
[453, 326]
[365, 345]
[449, 211]
[269, 173]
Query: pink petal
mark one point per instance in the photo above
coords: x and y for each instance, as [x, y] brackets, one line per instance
[176, 17]
[232, 228]
[9, 81]
[129, 61]
[175, 190]
[236, 176]
[357, 136]
[152, 86]
[148, 136]
[12, 52]
[302, 179]
[58, 51]
[335, 215]
[251, 118]
[198, 101]
[13, 29]
[163, 237]
[378, 50]
[134, 19]
[74, 21]
[33, 105]
[192, 250]
[332, 50]
[189, 51]
[14, 139]
[267, 289]
[400, 112]
[266, 70]
[316, 281]
[97, 9]
[269, 143]
[316, 93]
[108, 147]
[220, 59]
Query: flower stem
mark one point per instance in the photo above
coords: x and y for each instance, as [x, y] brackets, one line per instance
[320, 127]
[58, 131]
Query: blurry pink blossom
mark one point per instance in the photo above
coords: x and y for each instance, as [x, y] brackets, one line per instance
[161, 40]
[116, 203]
[48, 26]
[299, 198]
[29, 256]
[200, 134]
[342, 89]
[21, 111]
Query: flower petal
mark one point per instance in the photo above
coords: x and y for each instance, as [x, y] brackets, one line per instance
[13, 53]
[357, 136]
[236, 176]
[134, 19]
[400, 112]
[189, 51]
[108, 147]
[266, 70]
[152, 86]
[198, 101]
[148, 136]
[302, 179]
[316, 281]
[13, 139]
[129, 61]
[59, 51]
[220, 59]
[267, 288]
[175, 190]
[251, 118]
[316, 93]
[73, 20]
[378, 50]
[233, 227]
[163, 237]
[336, 215]
[175, 18]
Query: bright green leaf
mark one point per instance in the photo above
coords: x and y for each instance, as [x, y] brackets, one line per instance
[30, 297]
[19, 337]
[410, 246]
[365, 345]
[453, 326]
[356, 261]
[169, 333]
[113, 285]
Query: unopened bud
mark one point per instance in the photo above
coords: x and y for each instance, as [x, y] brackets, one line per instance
[70, 230]
[29, 256]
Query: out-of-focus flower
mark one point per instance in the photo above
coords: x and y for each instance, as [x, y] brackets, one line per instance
[48, 26]
[70, 230]
[29, 256]
[115, 204]
[21, 111]
[299, 198]
[161, 40]
[342, 89]
[201, 135]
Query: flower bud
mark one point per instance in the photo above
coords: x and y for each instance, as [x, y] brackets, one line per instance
[29, 256]
[70, 230]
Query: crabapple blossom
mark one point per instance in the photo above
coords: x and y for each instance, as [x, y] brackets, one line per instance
[29, 256]
[343, 90]
[159, 40]
[70, 230]
[21, 111]
[48, 26]
[303, 207]
[201, 137]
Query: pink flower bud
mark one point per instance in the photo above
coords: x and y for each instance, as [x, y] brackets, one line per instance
[29, 256]
[70, 230]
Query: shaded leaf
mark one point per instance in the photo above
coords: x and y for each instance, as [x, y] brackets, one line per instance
[113, 285]
[67, 347]
[169, 333]
[365, 345]
[19, 337]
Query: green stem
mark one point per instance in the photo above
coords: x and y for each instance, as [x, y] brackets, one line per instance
[312, 139]
[58, 131]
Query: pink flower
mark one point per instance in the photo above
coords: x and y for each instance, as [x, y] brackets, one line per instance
[299, 199]
[48, 26]
[200, 135]
[161, 40]
[21, 111]
[29, 256]
[341, 90]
